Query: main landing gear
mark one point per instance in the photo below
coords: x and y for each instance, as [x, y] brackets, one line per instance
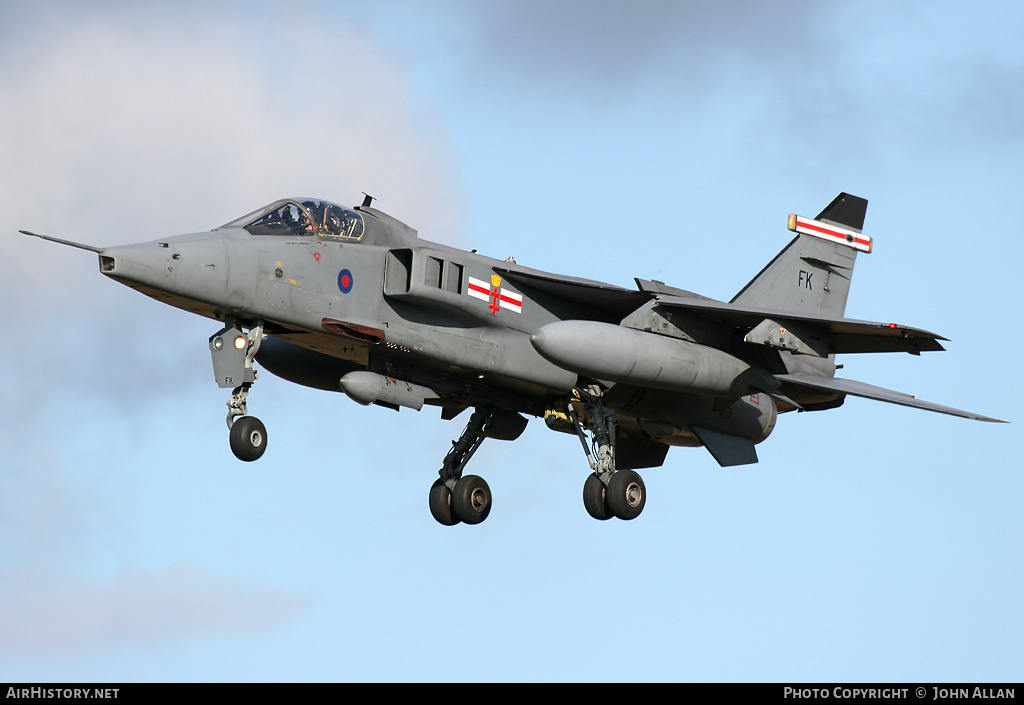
[456, 498]
[233, 352]
[607, 492]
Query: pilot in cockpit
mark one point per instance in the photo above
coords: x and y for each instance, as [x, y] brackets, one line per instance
[332, 221]
[296, 220]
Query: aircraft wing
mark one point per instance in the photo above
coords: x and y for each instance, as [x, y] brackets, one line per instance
[870, 391]
[846, 335]
[615, 300]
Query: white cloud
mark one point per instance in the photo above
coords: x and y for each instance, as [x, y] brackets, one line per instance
[120, 125]
[118, 129]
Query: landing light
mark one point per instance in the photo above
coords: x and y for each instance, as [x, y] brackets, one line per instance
[218, 343]
[240, 342]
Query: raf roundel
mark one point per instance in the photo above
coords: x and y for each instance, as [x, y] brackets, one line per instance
[345, 281]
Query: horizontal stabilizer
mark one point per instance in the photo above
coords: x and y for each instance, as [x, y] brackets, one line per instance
[870, 391]
[727, 450]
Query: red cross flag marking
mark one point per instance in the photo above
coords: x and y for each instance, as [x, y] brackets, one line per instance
[495, 296]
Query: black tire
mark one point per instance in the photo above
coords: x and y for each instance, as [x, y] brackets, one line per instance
[441, 504]
[626, 494]
[594, 498]
[248, 438]
[471, 499]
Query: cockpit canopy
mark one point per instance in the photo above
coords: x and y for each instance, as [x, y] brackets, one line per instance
[302, 217]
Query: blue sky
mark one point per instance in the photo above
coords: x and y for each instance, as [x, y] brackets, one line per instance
[608, 140]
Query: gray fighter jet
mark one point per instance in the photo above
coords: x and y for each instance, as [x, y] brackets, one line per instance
[352, 300]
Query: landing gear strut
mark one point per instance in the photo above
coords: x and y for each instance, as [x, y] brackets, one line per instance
[233, 352]
[607, 492]
[456, 498]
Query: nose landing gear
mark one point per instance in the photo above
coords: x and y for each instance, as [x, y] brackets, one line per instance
[233, 352]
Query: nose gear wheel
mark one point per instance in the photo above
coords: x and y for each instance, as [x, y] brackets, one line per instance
[248, 438]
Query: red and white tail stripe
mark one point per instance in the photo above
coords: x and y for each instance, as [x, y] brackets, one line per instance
[833, 233]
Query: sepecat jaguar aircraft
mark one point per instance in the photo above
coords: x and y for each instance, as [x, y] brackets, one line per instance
[352, 300]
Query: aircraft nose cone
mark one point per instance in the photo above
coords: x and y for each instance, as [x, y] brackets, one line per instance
[137, 263]
[195, 266]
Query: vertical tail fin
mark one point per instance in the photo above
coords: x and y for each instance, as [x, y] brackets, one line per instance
[812, 273]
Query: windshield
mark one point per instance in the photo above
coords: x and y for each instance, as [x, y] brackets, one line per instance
[302, 218]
